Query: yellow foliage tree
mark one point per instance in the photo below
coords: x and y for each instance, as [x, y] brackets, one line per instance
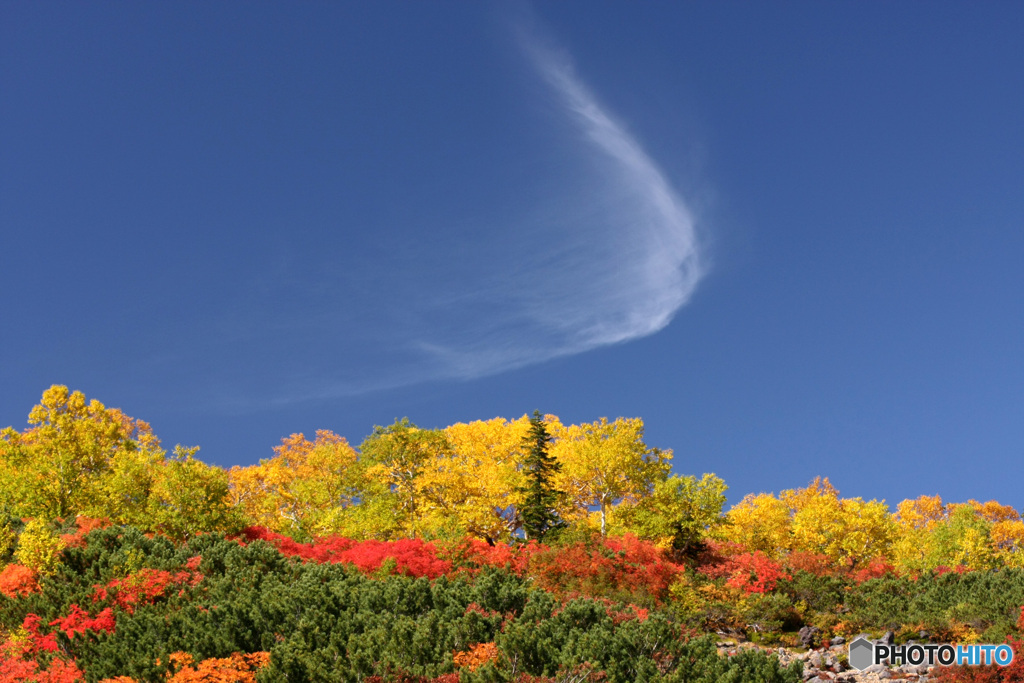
[993, 511]
[1007, 537]
[847, 529]
[59, 465]
[974, 535]
[395, 501]
[916, 522]
[760, 522]
[604, 463]
[477, 482]
[190, 497]
[680, 514]
[304, 490]
[813, 519]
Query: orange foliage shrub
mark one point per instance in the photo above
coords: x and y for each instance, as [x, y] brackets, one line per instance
[476, 656]
[18, 581]
[619, 565]
[749, 572]
[818, 564]
[238, 668]
[83, 527]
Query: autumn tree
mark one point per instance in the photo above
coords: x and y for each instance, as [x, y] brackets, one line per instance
[190, 497]
[760, 522]
[304, 490]
[478, 482]
[679, 514]
[848, 529]
[393, 459]
[603, 463]
[932, 534]
[541, 499]
[61, 464]
[812, 520]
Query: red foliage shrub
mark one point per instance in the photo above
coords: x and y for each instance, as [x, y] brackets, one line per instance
[19, 652]
[144, 587]
[818, 564]
[628, 613]
[472, 554]
[750, 572]
[619, 566]
[29, 671]
[1014, 673]
[79, 621]
[84, 525]
[412, 557]
[875, 569]
[475, 608]
[392, 676]
[959, 569]
[17, 581]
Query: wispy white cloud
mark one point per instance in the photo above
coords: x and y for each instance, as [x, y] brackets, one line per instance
[621, 258]
[607, 253]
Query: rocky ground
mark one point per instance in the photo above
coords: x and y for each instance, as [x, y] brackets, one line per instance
[829, 664]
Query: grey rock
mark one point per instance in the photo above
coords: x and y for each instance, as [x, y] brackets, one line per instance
[838, 640]
[809, 636]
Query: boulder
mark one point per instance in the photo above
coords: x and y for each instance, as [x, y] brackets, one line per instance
[809, 636]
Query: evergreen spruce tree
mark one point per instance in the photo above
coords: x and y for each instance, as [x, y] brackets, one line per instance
[540, 496]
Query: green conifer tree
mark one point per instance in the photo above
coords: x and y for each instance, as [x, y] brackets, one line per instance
[540, 497]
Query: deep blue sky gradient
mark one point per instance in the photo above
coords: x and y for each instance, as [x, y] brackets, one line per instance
[236, 220]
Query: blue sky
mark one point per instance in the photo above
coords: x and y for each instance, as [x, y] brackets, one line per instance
[790, 236]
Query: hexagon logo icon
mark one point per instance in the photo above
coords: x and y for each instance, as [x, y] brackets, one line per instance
[862, 654]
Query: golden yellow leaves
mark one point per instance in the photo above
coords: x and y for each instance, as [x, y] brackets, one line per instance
[603, 464]
[39, 548]
[59, 465]
[812, 520]
[924, 533]
[302, 489]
